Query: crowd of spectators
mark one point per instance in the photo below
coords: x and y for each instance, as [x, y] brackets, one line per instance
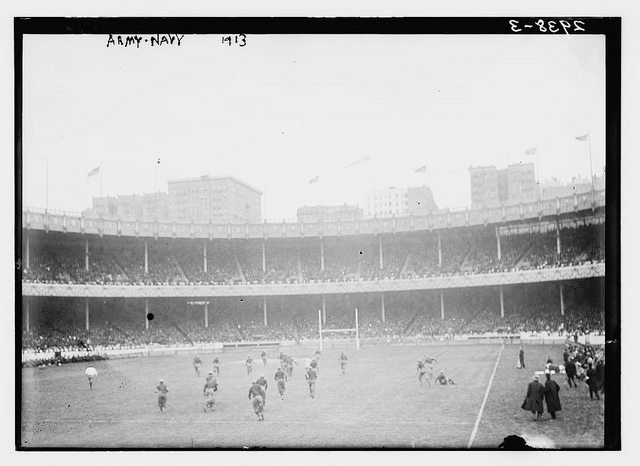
[343, 261]
[401, 324]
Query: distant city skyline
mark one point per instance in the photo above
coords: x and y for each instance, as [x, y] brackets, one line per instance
[286, 109]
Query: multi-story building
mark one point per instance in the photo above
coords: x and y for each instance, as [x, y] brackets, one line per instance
[223, 199]
[342, 213]
[485, 186]
[399, 201]
[491, 186]
[555, 188]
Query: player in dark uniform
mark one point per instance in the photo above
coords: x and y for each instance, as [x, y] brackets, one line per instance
[314, 364]
[264, 358]
[216, 365]
[249, 364]
[196, 364]
[210, 387]
[428, 360]
[442, 380]
[263, 383]
[256, 395]
[312, 376]
[343, 362]
[422, 372]
[280, 380]
[162, 391]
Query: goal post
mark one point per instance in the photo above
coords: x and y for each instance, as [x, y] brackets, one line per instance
[322, 331]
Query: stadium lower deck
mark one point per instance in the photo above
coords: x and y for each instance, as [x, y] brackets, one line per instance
[378, 403]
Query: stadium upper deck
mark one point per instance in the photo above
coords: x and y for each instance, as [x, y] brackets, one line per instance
[540, 247]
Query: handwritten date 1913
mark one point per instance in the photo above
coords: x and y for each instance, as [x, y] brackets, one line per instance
[156, 40]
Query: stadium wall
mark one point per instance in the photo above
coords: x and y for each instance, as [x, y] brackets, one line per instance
[280, 289]
[67, 223]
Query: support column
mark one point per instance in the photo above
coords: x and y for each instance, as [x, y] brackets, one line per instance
[561, 298]
[264, 307]
[264, 255]
[26, 264]
[498, 241]
[146, 313]
[439, 250]
[558, 245]
[321, 254]
[26, 309]
[204, 256]
[384, 317]
[206, 314]
[380, 247]
[324, 311]
[146, 257]
[86, 313]
[442, 304]
[501, 302]
[86, 254]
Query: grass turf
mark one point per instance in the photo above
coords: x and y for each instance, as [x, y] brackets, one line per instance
[379, 403]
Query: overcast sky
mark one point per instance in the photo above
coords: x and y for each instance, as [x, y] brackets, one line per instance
[284, 109]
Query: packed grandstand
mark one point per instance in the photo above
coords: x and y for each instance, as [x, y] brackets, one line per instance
[230, 273]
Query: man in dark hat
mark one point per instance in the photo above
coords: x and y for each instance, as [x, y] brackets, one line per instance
[551, 389]
[533, 400]
[592, 381]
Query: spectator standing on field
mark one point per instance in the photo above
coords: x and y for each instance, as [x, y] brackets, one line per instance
[592, 381]
[521, 357]
[533, 400]
[551, 396]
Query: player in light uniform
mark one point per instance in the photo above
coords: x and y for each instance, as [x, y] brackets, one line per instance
[210, 387]
[256, 395]
[216, 365]
[91, 374]
[197, 362]
[264, 358]
[162, 391]
[249, 364]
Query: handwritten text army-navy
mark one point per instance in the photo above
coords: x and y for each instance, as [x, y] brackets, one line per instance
[156, 40]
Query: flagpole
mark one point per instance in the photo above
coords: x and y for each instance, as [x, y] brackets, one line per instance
[47, 185]
[590, 166]
[373, 182]
[319, 191]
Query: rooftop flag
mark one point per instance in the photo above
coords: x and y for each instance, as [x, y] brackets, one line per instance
[531, 151]
[95, 171]
[421, 170]
[583, 138]
[358, 162]
[314, 180]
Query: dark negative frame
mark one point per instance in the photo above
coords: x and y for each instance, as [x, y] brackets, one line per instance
[610, 27]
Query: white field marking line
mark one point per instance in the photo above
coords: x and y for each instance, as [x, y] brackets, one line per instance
[484, 401]
[214, 421]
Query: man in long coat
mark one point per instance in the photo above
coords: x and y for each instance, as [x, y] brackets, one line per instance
[571, 371]
[551, 389]
[592, 381]
[533, 401]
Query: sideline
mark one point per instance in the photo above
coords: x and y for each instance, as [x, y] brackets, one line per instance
[484, 401]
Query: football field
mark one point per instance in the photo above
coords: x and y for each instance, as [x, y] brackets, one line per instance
[378, 403]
